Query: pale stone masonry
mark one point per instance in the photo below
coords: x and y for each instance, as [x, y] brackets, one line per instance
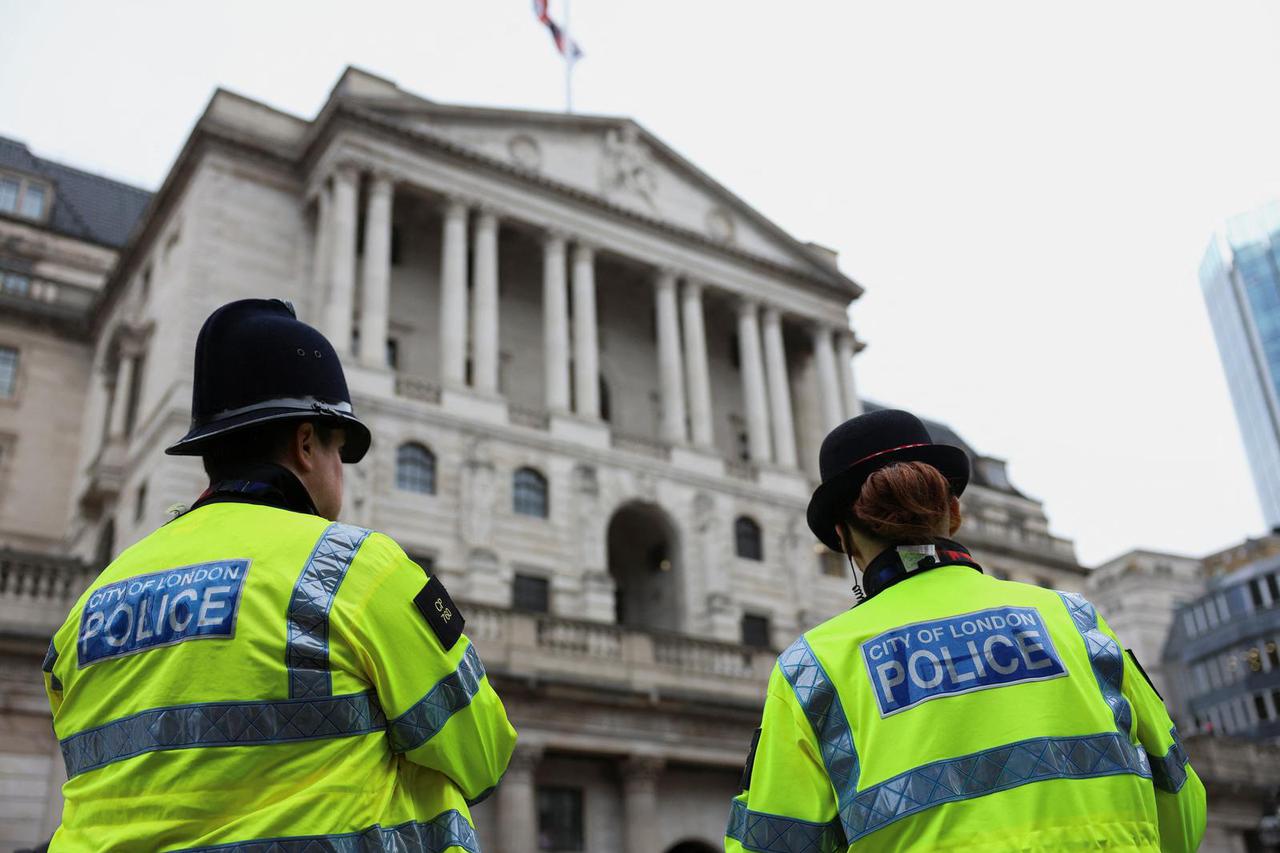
[54, 259]
[609, 361]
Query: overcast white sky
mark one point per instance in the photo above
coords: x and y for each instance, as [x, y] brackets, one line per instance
[1024, 191]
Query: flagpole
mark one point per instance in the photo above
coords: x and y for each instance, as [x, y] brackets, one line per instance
[568, 61]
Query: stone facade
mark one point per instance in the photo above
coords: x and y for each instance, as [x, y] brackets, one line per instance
[61, 231]
[589, 370]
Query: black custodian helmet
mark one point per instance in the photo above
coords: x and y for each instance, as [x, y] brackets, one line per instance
[256, 362]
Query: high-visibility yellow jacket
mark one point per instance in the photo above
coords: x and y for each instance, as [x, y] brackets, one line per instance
[247, 673]
[954, 711]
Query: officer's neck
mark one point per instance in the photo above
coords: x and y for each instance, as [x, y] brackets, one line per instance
[899, 561]
[262, 483]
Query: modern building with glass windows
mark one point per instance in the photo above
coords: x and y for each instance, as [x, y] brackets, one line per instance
[1240, 277]
[1223, 652]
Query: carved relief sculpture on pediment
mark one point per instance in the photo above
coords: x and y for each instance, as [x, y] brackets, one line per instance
[525, 152]
[626, 170]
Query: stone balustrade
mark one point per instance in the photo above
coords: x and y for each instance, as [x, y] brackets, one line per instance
[544, 647]
[36, 591]
[979, 530]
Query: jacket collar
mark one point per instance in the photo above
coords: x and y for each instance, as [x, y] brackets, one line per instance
[896, 564]
[265, 484]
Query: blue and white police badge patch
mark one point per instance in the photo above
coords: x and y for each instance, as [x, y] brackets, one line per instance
[959, 654]
[161, 609]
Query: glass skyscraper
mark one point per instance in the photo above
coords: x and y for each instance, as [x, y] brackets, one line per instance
[1240, 277]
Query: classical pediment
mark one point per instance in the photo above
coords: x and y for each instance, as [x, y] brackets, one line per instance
[613, 159]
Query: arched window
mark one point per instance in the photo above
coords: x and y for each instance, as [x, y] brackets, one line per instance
[531, 493]
[746, 534]
[415, 469]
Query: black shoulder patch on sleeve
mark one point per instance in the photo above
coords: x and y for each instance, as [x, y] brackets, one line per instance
[1134, 658]
[441, 613]
[745, 784]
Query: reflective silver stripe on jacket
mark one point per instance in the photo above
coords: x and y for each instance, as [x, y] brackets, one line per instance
[429, 714]
[450, 829]
[307, 644]
[769, 833]
[949, 780]
[211, 724]
[1169, 771]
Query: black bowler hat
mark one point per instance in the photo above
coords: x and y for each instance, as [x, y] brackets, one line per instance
[857, 448]
[256, 362]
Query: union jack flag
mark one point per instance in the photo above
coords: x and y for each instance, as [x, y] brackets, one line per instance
[567, 46]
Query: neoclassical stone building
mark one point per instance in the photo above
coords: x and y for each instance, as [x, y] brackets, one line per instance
[597, 383]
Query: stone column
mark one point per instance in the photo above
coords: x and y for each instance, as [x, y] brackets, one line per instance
[828, 383]
[784, 432]
[342, 264]
[695, 351]
[555, 323]
[640, 805]
[846, 348]
[517, 802]
[586, 355]
[120, 398]
[453, 296]
[753, 387]
[375, 302]
[322, 255]
[670, 368]
[484, 334]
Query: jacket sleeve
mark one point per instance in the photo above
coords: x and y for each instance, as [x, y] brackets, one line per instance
[787, 798]
[1180, 795]
[441, 710]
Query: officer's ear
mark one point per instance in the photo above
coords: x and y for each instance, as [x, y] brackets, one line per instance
[304, 445]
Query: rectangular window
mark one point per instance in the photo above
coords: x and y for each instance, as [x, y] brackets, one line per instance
[1188, 623]
[1274, 588]
[33, 201]
[1223, 611]
[1273, 654]
[1260, 705]
[531, 594]
[560, 819]
[1255, 592]
[15, 283]
[833, 564]
[755, 631]
[8, 372]
[9, 195]
[393, 353]
[135, 394]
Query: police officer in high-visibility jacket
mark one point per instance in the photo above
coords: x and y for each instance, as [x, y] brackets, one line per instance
[254, 675]
[951, 710]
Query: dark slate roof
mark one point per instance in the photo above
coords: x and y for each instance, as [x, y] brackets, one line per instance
[85, 206]
[982, 474]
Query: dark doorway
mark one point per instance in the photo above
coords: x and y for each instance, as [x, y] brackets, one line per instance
[644, 564]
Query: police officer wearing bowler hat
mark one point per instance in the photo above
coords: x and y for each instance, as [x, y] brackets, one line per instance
[950, 710]
[332, 701]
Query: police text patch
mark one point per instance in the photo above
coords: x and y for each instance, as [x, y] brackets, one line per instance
[162, 608]
[441, 613]
[959, 654]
